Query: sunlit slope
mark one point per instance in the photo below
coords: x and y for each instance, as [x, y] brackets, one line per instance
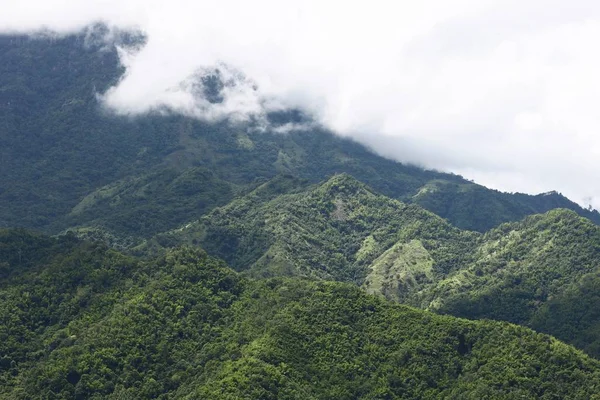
[541, 272]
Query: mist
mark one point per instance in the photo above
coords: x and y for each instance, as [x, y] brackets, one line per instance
[502, 92]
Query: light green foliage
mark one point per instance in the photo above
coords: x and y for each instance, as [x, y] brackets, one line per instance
[342, 230]
[400, 271]
[367, 249]
[244, 142]
[95, 324]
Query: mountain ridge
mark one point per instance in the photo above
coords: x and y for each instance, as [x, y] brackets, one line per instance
[339, 225]
[226, 259]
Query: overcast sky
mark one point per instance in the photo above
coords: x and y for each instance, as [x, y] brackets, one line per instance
[503, 92]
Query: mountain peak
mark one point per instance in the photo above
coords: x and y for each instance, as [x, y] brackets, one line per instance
[344, 184]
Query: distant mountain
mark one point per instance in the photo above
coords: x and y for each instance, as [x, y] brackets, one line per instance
[82, 321]
[65, 162]
[474, 207]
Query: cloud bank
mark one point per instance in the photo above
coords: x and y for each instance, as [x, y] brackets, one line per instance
[504, 92]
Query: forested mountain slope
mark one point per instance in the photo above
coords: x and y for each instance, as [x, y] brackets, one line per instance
[304, 209]
[541, 272]
[83, 321]
[65, 162]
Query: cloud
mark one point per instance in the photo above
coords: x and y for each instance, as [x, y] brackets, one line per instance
[502, 91]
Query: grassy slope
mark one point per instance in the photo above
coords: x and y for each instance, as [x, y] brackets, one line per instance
[92, 323]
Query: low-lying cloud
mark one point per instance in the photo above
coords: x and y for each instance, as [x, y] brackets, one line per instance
[505, 92]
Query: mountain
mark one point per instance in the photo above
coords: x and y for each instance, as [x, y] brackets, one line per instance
[324, 238]
[474, 207]
[541, 272]
[66, 162]
[80, 320]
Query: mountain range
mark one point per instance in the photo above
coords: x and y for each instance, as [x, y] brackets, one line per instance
[182, 258]
[67, 162]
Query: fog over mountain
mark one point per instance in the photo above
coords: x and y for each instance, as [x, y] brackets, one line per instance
[503, 92]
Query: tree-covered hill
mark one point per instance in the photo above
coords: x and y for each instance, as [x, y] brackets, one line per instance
[82, 321]
[541, 272]
[66, 162]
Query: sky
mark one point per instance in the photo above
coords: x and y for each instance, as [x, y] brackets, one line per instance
[503, 92]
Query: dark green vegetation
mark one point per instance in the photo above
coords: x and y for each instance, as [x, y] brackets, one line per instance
[82, 321]
[67, 163]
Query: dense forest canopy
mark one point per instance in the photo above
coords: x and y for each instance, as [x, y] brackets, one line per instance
[82, 321]
[527, 272]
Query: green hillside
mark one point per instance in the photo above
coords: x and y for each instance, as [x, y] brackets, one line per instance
[82, 321]
[320, 238]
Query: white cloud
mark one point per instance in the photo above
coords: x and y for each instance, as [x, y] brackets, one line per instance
[502, 91]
